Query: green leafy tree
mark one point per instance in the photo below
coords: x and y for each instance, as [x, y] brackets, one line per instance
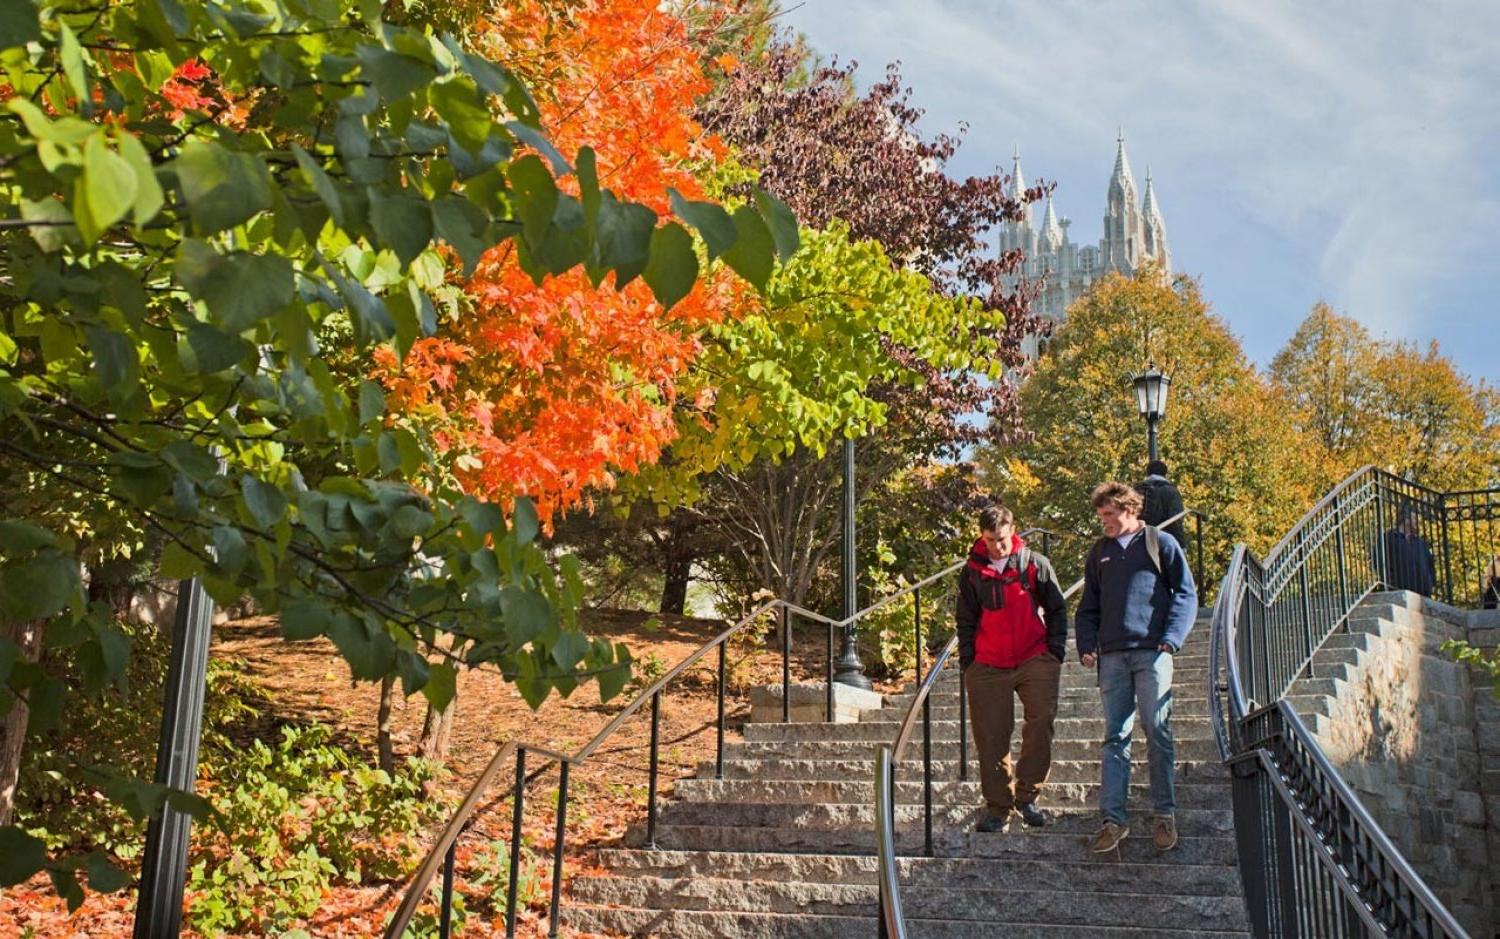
[1229, 446]
[185, 259]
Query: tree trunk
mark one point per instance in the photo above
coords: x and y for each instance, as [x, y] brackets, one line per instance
[437, 728]
[674, 590]
[28, 638]
[383, 743]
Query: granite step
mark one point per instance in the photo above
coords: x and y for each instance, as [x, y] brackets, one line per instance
[1199, 747]
[831, 816]
[862, 768]
[699, 924]
[1157, 908]
[1000, 874]
[1066, 728]
[1189, 793]
[1070, 707]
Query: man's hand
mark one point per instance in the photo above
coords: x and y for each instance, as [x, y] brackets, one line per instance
[1089, 659]
[1167, 648]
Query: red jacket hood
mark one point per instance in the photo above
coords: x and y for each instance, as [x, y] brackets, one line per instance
[979, 555]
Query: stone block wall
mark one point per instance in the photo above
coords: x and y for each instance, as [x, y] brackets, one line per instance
[1416, 736]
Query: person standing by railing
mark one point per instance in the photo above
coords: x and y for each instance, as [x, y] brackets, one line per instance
[1408, 557]
[1161, 501]
[1138, 606]
[1012, 635]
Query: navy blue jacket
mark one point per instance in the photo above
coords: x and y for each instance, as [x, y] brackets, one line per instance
[1127, 605]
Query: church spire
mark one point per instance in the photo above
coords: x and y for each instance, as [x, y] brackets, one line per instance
[1155, 227]
[1052, 236]
[1018, 186]
[1122, 177]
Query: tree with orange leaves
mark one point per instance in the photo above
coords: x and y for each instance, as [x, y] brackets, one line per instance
[548, 389]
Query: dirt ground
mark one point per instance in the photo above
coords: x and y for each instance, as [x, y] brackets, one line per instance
[307, 681]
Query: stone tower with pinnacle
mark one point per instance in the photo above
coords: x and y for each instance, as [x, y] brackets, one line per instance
[1135, 234]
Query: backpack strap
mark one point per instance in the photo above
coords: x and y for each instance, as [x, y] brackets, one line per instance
[1153, 546]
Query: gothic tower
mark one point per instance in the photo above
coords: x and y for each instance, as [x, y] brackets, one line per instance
[1134, 233]
[1124, 230]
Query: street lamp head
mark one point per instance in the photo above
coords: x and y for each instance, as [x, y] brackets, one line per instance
[1151, 393]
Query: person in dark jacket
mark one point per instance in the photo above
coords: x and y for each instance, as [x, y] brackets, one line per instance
[1490, 594]
[1012, 635]
[1408, 559]
[1161, 501]
[1137, 608]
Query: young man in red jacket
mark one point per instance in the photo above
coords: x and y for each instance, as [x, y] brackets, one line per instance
[1012, 634]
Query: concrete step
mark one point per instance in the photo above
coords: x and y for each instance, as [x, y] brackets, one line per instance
[861, 768]
[1062, 843]
[1071, 706]
[1063, 729]
[829, 816]
[1082, 688]
[975, 903]
[700, 924]
[1201, 747]
[917, 872]
[1189, 793]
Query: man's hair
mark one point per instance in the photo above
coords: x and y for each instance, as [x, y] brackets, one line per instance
[991, 517]
[1119, 495]
[1156, 468]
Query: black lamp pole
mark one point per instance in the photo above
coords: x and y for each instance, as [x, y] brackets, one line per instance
[1151, 420]
[849, 670]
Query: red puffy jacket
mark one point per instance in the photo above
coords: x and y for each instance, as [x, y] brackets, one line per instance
[1006, 618]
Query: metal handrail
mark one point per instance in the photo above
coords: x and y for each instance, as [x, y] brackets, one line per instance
[441, 852]
[1267, 740]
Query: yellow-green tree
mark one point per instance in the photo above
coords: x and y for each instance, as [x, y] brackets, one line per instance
[1230, 447]
[1396, 405]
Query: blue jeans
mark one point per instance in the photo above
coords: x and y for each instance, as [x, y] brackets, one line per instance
[1139, 680]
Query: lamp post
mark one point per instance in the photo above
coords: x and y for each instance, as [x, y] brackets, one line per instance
[849, 670]
[1151, 398]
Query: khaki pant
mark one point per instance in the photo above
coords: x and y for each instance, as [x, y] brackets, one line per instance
[992, 709]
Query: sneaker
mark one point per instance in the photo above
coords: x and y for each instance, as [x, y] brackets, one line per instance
[1109, 836]
[1164, 832]
[1031, 815]
[992, 824]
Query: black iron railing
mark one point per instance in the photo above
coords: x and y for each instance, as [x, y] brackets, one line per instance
[442, 854]
[891, 922]
[1312, 860]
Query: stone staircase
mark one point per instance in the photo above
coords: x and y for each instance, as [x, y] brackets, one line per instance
[783, 844]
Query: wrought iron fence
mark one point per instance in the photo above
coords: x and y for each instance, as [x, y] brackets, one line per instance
[1313, 861]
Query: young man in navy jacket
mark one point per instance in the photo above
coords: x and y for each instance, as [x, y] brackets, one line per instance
[1012, 635]
[1138, 605]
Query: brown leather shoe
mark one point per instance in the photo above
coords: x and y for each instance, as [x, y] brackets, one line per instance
[1164, 832]
[1108, 837]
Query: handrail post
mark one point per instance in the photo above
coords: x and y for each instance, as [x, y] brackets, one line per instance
[1198, 538]
[963, 726]
[557, 849]
[786, 666]
[1307, 629]
[515, 844]
[651, 778]
[1338, 542]
[445, 911]
[916, 627]
[926, 776]
[828, 678]
[719, 745]
[1447, 558]
[1380, 561]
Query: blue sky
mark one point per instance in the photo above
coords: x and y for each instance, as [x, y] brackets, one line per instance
[1340, 151]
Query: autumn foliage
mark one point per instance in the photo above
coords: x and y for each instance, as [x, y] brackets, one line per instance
[548, 389]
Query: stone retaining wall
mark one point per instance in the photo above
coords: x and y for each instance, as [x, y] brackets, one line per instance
[1417, 736]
